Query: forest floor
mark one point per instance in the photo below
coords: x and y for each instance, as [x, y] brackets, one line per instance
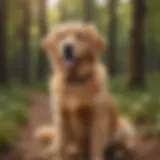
[26, 148]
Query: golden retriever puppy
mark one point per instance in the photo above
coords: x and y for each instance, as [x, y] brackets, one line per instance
[82, 113]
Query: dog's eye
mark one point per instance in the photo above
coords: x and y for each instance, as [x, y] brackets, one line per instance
[79, 35]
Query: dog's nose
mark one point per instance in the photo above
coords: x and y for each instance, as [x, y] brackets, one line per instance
[68, 51]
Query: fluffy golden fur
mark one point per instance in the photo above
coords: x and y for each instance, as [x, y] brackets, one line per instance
[85, 118]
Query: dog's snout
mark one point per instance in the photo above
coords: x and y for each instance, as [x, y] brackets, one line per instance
[68, 51]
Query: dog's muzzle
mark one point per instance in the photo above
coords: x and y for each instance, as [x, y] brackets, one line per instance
[69, 57]
[68, 52]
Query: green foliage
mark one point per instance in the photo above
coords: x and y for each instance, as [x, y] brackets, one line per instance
[142, 106]
[13, 112]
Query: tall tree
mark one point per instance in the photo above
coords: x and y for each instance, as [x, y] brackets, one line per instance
[14, 38]
[88, 10]
[42, 66]
[136, 55]
[25, 33]
[3, 27]
[112, 30]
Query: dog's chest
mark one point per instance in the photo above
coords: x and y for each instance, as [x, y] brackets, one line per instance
[78, 115]
[78, 106]
[76, 99]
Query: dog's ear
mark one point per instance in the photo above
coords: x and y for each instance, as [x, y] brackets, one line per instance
[97, 40]
[48, 42]
[45, 42]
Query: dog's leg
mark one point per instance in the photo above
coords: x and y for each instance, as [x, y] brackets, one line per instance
[58, 143]
[99, 136]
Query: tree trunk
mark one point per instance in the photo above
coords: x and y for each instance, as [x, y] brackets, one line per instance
[43, 65]
[25, 40]
[88, 10]
[111, 53]
[136, 55]
[3, 52]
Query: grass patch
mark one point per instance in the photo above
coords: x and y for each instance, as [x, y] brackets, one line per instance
[13, 112]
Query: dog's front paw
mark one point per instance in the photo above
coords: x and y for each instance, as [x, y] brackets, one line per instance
[45, 135]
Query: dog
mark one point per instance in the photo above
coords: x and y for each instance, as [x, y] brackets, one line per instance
[85, 119]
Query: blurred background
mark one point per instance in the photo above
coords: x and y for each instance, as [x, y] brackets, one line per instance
[132, 56]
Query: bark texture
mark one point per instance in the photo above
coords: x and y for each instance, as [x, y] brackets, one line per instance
[111, 54]
[3, 40]
[137, 53]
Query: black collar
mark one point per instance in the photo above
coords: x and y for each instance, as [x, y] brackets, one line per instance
[80, 80]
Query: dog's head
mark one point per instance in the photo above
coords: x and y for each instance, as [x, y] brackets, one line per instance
[70, 43]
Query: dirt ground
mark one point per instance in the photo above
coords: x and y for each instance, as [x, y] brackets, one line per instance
[27, 148]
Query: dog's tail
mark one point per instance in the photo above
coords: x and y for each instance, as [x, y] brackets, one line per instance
[45, 134]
